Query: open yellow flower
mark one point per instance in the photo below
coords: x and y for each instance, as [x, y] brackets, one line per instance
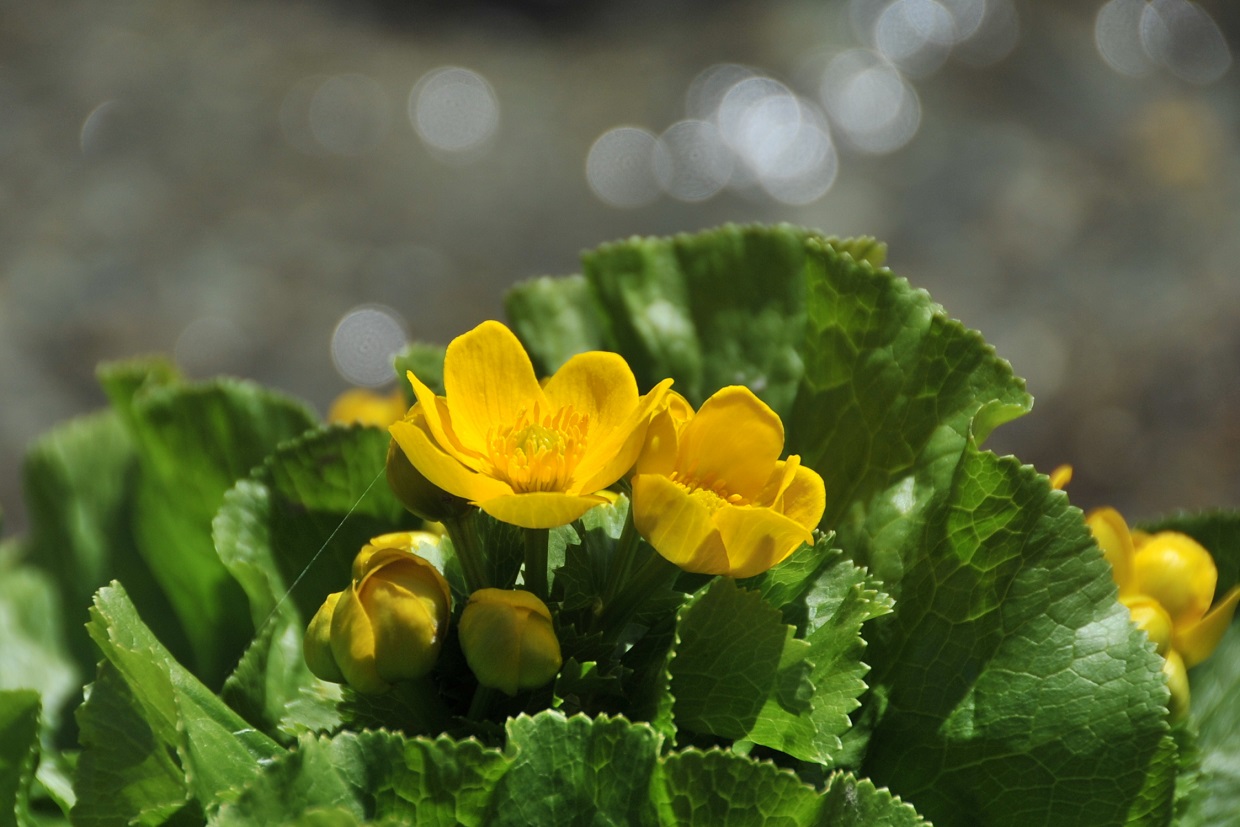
[711, 494]
[1167, 581]
[528, 454]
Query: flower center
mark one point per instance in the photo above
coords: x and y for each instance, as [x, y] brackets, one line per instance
[537, 454]
[709, 492]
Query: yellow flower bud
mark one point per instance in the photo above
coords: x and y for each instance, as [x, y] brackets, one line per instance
[417, 493]
[508, 640]
[1176, 571]
[317, 644]
[390, 623]
[403, 540]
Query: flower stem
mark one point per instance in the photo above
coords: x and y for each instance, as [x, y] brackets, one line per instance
[481, 703]
[464, 535]
[536, 561]
[652, 575]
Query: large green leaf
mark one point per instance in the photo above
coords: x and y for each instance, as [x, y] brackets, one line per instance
[80, 482]
[717, 789]
[290, 530]
[155, 740]
[193, 442]
[723, 307]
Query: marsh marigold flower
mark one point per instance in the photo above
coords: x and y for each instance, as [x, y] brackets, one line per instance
[528, 454]
[388, 625]
[1167, 581]
[508, 640]
[711, 494]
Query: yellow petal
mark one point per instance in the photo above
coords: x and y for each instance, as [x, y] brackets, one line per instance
[597, 384]
[539, 509]
[735, 438]
[757, 538]
[805, 498]
[353, 644]
[1176, 571]
[613, 454]
[440, 468]
[489, 382]
[1060, 477]
[678, 526]
[439, 422]
[367, 407]
[658, 454]
[1111, 533]
[1196, 641]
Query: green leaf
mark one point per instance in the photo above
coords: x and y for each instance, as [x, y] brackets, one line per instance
[564, 767]
[33, 653]
[738, 672]
[193, 442]
[291, 529]
[853, 802]
[555, 318]
[19, 752]
[426, 362]
[80, 483]
[1008, 669]
[153, 737]
[717, 789]
[371, 776]
[273, 689]
[1215, 686]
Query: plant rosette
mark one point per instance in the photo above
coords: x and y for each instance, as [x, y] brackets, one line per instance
[653, 550]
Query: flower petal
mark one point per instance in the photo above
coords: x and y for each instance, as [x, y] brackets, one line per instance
[1196, 641]
[735, 438]
[599, 385]
[658, 454]
[1112, 536]
[442, 469]
[539, 509]
[805, 498]
[353, 644]
[610, 456]
[439, 420]
[757, 538]
[678, 526]
[488, 381]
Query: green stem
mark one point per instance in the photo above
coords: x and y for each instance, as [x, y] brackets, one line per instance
[464, 535]
[654, 574]
[481, 703]
[536, 561]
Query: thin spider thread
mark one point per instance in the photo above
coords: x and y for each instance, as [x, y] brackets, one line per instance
[276, 609]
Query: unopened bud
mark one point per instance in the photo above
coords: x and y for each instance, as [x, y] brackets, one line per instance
[509, 640]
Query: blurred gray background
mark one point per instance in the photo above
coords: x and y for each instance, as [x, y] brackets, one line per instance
[288, 191]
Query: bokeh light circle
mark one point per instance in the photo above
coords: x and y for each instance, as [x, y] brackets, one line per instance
[364, 343]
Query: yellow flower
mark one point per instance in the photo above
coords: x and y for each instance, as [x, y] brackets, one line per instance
[711, 494]
[388, 625]
[508, 640]
[528, 454]
[367, 407]
[1167, 581]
